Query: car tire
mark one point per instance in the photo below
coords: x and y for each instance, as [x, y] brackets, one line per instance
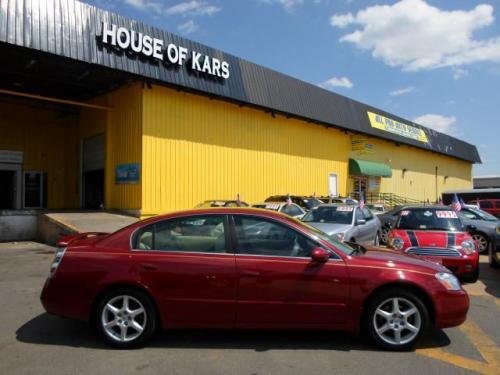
[472, 277]
[384, 234]
[396, 319]
[125, 318]
[493, 257]
[482, 241]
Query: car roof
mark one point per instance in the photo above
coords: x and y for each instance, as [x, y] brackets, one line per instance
[337, 205]
[431, 207]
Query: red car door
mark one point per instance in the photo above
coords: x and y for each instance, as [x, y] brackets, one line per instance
[279, 284]
[189, 268]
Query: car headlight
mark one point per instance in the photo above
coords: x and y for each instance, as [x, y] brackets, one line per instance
[468, 247]
[448, 280]
[397, 243]
[57, 259]
[340, 236]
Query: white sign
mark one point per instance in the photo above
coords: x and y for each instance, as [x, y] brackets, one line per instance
[140, 43]
[8, 156]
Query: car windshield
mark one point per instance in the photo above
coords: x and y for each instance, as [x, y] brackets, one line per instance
[310, 203]
[330, 214]
[429, 219]
[333, 240]
[483, 214]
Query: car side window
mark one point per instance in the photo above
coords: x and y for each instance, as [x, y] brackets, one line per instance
[359, 214]
[201, 234]
[258, 236]
[466, 214]
[368, 214]
[291, 210]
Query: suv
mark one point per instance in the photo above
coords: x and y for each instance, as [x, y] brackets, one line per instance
[491, 206]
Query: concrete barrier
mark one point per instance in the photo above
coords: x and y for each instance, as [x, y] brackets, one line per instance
[19, 225]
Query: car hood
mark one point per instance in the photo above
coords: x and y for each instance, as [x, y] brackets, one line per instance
[432, 238]
[331, 228]
[393, 259]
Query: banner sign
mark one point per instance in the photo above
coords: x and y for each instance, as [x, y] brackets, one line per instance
[127, 173]
[361, 146]
[392, 126]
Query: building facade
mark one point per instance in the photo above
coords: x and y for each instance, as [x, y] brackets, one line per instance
[100, 111]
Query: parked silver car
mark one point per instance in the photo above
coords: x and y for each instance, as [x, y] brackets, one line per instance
[290, 209]
[350, 223]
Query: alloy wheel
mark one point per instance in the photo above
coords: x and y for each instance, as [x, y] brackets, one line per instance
[123, 318]
[384, 234]
[397, 321]
[481, 241]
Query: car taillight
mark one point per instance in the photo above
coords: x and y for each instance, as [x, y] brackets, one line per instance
[57, 259]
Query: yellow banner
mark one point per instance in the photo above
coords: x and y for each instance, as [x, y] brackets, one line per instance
[393, 126]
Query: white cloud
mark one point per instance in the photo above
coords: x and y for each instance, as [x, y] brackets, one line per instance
[188, 27]
[337, 82]
[186, 8]
[459, 73]
[414, 35]
[290, 4]
[192, 8]
[403, 91]
[439, 123]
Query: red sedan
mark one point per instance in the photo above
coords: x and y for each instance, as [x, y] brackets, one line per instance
[245, 268]
[437, 234]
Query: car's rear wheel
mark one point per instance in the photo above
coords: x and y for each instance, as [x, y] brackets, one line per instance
[396, 319]
[482, 242]
[384, 234]
[125, 318]
[493, 257]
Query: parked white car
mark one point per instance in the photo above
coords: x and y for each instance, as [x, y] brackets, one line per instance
[290, 209]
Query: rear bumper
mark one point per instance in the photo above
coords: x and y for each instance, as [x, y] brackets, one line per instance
[451, 308]
[57, 300]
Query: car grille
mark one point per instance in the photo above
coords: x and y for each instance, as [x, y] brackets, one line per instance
[433, 251]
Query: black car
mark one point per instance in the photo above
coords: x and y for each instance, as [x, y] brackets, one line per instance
[307, 203]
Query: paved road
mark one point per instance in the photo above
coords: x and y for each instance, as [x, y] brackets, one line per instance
[32, 342]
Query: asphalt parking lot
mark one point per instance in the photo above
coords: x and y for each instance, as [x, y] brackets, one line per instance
[33, 342]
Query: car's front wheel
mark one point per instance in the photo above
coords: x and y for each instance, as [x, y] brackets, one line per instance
[482, 242]
[396, 319]
[125, 318]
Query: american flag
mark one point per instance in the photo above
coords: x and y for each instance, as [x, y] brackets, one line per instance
[455, 204]
[361, 200]
[238, 200]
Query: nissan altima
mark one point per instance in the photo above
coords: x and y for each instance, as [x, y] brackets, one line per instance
[245, 268]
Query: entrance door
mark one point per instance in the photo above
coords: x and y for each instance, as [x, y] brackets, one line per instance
[332, 185]
[93, 172]
[33, 189]
[10, 186]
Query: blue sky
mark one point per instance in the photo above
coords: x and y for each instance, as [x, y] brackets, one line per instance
[436, 62]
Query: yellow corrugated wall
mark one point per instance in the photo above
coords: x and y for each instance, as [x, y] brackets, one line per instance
[195, 149]
[48, 140]
[418, 181]
[123, 145]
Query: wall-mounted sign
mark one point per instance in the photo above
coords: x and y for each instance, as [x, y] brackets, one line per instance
[9, 156]
[127, 173]
[373, 183]
[396, 127]
[158, 49]
[361, 146]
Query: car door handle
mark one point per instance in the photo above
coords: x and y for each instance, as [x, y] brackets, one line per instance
[148, 267]
[250, 273]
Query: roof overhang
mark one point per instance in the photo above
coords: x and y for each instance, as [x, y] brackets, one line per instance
[368, 168]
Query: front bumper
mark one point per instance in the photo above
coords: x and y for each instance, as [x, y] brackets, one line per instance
[451, 308]
[461, 266]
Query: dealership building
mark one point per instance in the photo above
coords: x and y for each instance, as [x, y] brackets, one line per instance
[101, 111]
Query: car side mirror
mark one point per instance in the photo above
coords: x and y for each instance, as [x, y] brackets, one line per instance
[360, 222]
[320, 255]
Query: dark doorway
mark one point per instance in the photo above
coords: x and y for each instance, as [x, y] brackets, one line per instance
[7, 190]
[94, 189]
[93, 172]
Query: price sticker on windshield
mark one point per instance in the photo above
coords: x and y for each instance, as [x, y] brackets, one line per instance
[345, 208]
[446, 214]
[405, 213]
[272, 206]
